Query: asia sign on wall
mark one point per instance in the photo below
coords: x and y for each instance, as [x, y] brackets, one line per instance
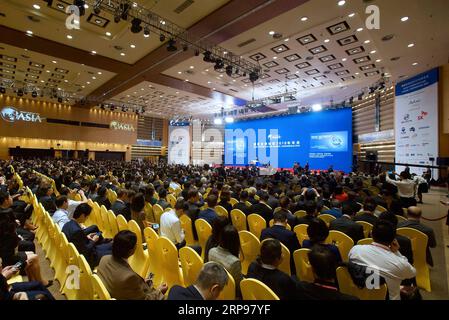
[115, 125]
[416, 121]
[11, 114]
[179, 144]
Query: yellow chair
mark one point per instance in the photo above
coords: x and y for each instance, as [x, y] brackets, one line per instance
[253, 289]
[157, 212]
[121, 223]
[304, 270]
[238, 219]
[15, 279]
[191, 264]
[204, 231]
[343, 242]
[256, 224]
[381, 209]
[325, 208]
[405, 210]
[171, 199]
[228, 292]
[285, 263]
[186, 225]
[419, 245]
[148, 209]
[77, 197]
[271, 223]
[85, 291]
[365, 241]
[113, 196]
[91, 219]
[248, 204]
[233, 201]
[367, 228]
[98, 289]
[106, 228]
[151, 237]
[326, 218]
[168, 261]
[113, 227]
[221, 211]
[301, 232]
[250, 246]
[71, 283]
[347, 286]
[300, 213]
[62, 260]
[256, 197]
[401, 218]
[139, 260]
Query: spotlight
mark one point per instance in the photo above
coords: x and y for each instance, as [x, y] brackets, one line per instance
[171, 45]
[162, 37]
[219, 64]
[102, 107]
[253, 76]
[197, 52]
[49, 2]
[20, 92]
[97, 9]
[117, 16]
[317, 107]
[146, 32]
[207, 56]
[135, 25]
[80, 4]
[371, 90]
[229, 70]
[2, 90]
[59, 99]
[382, 86]
[34, 94]
[124, 8]
[351, 100]
[360, 97]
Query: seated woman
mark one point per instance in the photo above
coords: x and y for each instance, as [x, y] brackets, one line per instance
[318, 233]
[137, 211]
[214, 239]
[265, 269]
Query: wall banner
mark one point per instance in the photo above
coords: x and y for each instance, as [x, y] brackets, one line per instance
[179, 144]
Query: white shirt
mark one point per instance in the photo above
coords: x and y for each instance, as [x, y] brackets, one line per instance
[419, 180]
[171, 227]
[406, 188]
[72, 207]
[60, 217]
[393, 267]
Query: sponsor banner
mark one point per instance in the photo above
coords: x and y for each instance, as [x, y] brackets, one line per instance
[149, 143]
[11, 114]
[179, 144]
[416, 121]
[376, 136]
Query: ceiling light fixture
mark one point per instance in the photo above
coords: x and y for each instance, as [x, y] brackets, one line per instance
[303, 19]
[341, 3]
[351, 15]
[69, 36]
[411, 45]
[135, 25]
[403, 19]
[146, 32]
[171, 47]
[36, 6]
[108, 34]
[162, 37]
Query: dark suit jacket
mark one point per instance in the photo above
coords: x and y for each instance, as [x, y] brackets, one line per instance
[355, 207]
[307, 219]
[348, 227]
[380, 201]
[273, 202]
[367, 217]
[282, 284]
[103, 201]
[85, 246]
[226, 205]
[312, 291]
[431, 242]
[242, 206]
[262, 210]
[209, 215]
[181, 293]
[119, 207]
[193, 213]
[405, 247]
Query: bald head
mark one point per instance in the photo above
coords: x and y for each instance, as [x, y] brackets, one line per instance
[414, 212]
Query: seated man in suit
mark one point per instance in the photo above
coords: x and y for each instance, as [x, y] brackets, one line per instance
[279, 231]
[119, 205]
[311, 213]
[91, 245]
[251, 195]
[162, 199]
[351, 202]
[324, 265]
[346, 225]
[119, 278]
[414, 222]
[335, 210]
[368, 212]
[241, 205]
[262, 208]
[208, 286]
[209, 214]
[265, 269]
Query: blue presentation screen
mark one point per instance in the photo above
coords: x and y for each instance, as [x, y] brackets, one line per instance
[319, 138]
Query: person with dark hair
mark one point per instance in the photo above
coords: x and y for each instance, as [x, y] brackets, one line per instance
[129, 199]
[193, 200]
[209, 213]
[318, 233]
[227, 254]
[273, 200]
[241, 205]
[265, 269]
[163, 199]
[262, 208]
[225, 197]
[351, 202]
[311, 213]
[214, 239]
[119, 205]
[287, 237]
[47, 198]
[284, 204]
[324, 265]
[92, 245]
[72, 204]
[170, 226]
[384, 257]
[396, 207]
[406, 189]
[369, 208]
[346, 225]
[335, 210]
[405, 245]
[339, 194]
[102, 199]
[61, 215]
[210, 283]
[120, 279]
[137, 211]
[149, 195]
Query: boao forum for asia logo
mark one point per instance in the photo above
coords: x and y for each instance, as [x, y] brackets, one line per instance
[11, 114]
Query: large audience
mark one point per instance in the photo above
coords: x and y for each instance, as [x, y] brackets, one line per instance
[200, 190]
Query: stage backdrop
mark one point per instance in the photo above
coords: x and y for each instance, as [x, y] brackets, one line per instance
[319, 138]
[179, 144]
[416, 121]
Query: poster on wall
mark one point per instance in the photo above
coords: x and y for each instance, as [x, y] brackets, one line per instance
[416, 122]
[179, 144]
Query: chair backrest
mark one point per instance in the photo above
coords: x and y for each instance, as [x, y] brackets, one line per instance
[139, 260]
[367, 228]
[285, 263]
[204, 231]
[191, 264]
[228, 292]
[121, 223]
[250, 246]
[300, 213]
[106, 229]
[186, 225]
[151, 237]
[401, 218]
[99, 290]
[256, 224]
[325, 208]
[303, 267]
[301, 232]
[381, 209]
[253, 289]
[248, 204]
[238, 219]
[343, 242]
[419, 242]
[148, 209]
[85, 291]
[171, 199]
[112, 223]
[233, 201]
[221, 211]
[271, 223]
[365, 241]
[326, 218]
[157, 212]
[347, 286]
[167, 254]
